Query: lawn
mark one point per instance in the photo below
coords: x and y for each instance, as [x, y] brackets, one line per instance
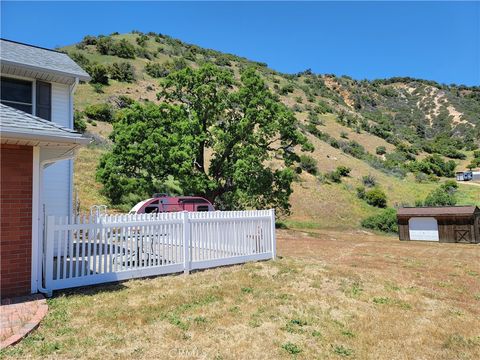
[331, 294]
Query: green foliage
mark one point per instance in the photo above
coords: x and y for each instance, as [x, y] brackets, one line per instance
[98, 74]
[124, 101]
[123, 49]
[89, 40]
[107, 46]
[78, 123]
[169, 186]
[323, 107]
[475, 161]
[104, 45]
[98, 88]
[157, 70]
[336, 175]
[381, 150]
[291, 348]
[142, 40]
[80, 59]
[199, 110]
[308, 164]
[444, 195]
[375, 196]
[123, 72]
[99, 112]
[369, 181]
[144, 53]
[286, 89]
[434, 164]
[314, 119]
[439, 197]
[343, 170]
[342, 350]
[385, 221]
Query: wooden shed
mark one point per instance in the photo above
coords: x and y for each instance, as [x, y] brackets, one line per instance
[451, 224]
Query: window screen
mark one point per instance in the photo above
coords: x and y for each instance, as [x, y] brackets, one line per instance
[44, 100]
[17, 94]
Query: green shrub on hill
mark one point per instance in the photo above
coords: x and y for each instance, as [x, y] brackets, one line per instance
[444, 195]
[369, 181]
[308, 164]
[99, 112]
[385, 221]
[381, 150]
[89, 40]
[142, 40]
[78, 123]
[98, 74]
[336, 175]
[123, 72]
[104, 45]
[123, 49]
[157, 70]
[375, 196]
[80, 59]
[434, 164]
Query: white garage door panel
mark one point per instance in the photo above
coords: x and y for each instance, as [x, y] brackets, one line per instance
[423, 229]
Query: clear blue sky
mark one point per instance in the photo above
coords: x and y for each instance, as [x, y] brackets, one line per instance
[431, 40]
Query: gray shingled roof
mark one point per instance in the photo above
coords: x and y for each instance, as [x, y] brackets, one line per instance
[16, 124]
[33, 57]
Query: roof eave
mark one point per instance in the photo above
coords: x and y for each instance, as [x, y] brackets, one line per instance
[63, 140]
[82, 77]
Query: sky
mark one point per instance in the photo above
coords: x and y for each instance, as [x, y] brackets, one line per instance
[430, 40]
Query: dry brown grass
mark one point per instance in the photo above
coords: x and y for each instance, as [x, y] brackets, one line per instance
[330, 295]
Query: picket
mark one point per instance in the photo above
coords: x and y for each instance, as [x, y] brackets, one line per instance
[103, 248]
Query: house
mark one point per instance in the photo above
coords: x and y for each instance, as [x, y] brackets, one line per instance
[451, 224]
[37, 147]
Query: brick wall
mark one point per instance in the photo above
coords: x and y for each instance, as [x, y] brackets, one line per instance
[15, 219]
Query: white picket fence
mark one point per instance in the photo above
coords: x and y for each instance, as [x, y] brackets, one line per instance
[98, 249]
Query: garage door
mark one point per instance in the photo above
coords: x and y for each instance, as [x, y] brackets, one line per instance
[423, 229]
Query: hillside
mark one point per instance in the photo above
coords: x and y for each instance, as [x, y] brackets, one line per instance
[383, 128]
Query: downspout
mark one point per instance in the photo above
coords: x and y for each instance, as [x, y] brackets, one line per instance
[43, 164]
[73, 87]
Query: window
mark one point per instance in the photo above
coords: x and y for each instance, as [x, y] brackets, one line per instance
[17, 94]
[44, 100]
[202, 208]
[151, 209]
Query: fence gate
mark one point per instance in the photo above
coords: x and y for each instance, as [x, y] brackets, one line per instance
[98, 249]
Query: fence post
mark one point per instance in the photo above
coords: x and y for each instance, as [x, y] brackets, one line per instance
[186, 242]
[49, 244]
[272, 231]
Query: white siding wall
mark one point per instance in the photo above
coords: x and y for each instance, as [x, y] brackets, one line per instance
[58, 176]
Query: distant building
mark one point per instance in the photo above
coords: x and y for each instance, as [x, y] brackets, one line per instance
[451, 224]
[464, 175]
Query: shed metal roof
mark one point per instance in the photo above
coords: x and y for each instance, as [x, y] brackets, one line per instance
[16, 125]
[36, 58]
[438, 211]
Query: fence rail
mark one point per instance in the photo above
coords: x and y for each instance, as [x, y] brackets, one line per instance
[96, 249]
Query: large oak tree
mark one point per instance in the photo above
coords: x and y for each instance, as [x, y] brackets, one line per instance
[243, 129]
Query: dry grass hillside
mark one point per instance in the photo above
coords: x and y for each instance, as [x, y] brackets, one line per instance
[370, 114]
